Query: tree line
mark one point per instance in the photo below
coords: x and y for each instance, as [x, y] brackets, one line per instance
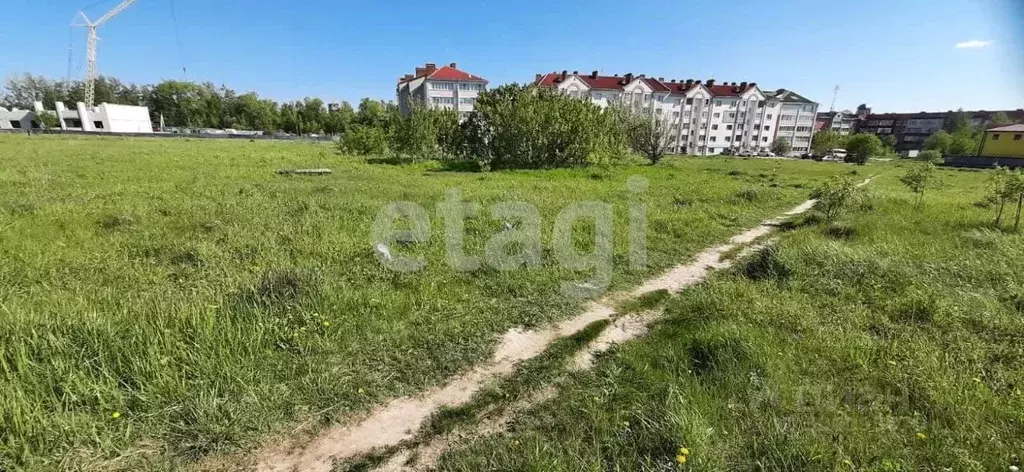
[196, 105]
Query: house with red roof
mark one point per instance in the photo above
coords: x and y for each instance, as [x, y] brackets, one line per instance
[706, 117]
[446, 88]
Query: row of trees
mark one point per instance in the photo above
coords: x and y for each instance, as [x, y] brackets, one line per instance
[196, 105]
[518, 126]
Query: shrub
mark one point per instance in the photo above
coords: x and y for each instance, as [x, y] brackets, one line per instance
[365, 141]
[918, 179]
[834, 195]
[516, 126]
[424, 134]
[929, 155]
[781, 147]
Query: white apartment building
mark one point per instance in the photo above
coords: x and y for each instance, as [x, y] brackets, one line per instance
[708, 118]
[796, 120]
[445, 88]
[842, 122]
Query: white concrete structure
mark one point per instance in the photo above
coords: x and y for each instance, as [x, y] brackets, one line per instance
[103, 118]
[708, 118]
[446, 88]
[17, 119]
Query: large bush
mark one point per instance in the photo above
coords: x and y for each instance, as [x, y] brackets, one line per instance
[517, 126]
[861, 147]
[365, 141]
[424, 133]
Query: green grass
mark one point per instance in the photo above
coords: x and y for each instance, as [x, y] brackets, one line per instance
[210, 304]
[890, 340]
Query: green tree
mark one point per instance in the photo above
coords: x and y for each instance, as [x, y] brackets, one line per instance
[939, 141]
[339, 119]
[958, 122]
[1016, 188]
[1001, 189]
[781, 147]
[48, 119]
[1000, 119]
[861, 147]
[365, 141]
[888, 142]
[373, 113]
[649, 133]
[825, 141]
[918, 179]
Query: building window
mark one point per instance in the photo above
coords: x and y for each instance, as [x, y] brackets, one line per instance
[442, 86]
[713, 139]
[97, 124]
[714, 127]
[760, 104]
[769, 116]
[728, 127]
[718, 115]
[15, 124]
[727, 139]
[995, 137]
[731, 116]
[74, 123]
[765, 139]
[766, 128]
[689, 101]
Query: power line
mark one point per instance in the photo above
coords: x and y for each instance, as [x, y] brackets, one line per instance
[177, 37]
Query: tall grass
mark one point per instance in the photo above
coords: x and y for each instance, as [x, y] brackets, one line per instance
[164, 300]
[892, 345]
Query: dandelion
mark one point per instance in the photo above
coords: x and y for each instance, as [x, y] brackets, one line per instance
[327, 323]
[684, 451]
[360, 389]
[892, 362]
[115, 415]
[681, 459]
[921, 436]
[625, 423]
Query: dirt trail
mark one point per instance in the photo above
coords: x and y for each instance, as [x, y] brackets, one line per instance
[399, 419]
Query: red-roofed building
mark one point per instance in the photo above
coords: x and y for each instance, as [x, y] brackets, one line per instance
[446, 87]
[707, 117]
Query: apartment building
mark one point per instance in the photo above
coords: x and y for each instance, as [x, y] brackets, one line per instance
[706, 117]
[446, 88]
[796, 119]
[912, 129]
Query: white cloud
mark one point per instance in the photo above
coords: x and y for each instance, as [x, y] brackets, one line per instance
[973, 44]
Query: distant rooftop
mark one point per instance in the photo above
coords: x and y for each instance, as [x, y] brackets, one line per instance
[1010, 128]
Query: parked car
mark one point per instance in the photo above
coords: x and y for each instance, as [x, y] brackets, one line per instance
[836, 153]
[766, 154]
[746, 153]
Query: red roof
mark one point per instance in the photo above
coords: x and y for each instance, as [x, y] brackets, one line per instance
[448, 72]
[618, 83]
[451, 73]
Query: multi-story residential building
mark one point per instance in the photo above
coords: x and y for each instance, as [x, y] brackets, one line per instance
[707, 118]
[911, 129]
[796, 120]
[842, 122]
[445, 88]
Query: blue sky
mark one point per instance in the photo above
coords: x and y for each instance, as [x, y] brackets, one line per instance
[897, 55]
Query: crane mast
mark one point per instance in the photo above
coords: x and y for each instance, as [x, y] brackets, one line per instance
[90, 51]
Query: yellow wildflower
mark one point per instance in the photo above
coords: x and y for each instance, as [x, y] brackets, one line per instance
[327, 323]
[115, 415]
[684, 451]
[681, 459]
[921, 436]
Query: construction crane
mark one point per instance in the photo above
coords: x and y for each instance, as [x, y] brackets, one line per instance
[835, 94]
[90, 52]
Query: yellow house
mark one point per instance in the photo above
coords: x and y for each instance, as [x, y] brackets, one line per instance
[1005, 141]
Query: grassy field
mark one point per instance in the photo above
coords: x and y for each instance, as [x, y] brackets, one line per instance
[891, 340]
[164, 300]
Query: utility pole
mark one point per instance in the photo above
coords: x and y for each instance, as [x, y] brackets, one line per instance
[90, 52]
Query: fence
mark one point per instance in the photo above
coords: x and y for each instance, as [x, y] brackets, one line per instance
[318, 139]
[984, 161]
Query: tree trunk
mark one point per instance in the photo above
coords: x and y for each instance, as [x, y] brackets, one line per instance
[999, 214]
[1016, 223]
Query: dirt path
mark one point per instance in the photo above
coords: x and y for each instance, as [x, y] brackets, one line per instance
[399, 419]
